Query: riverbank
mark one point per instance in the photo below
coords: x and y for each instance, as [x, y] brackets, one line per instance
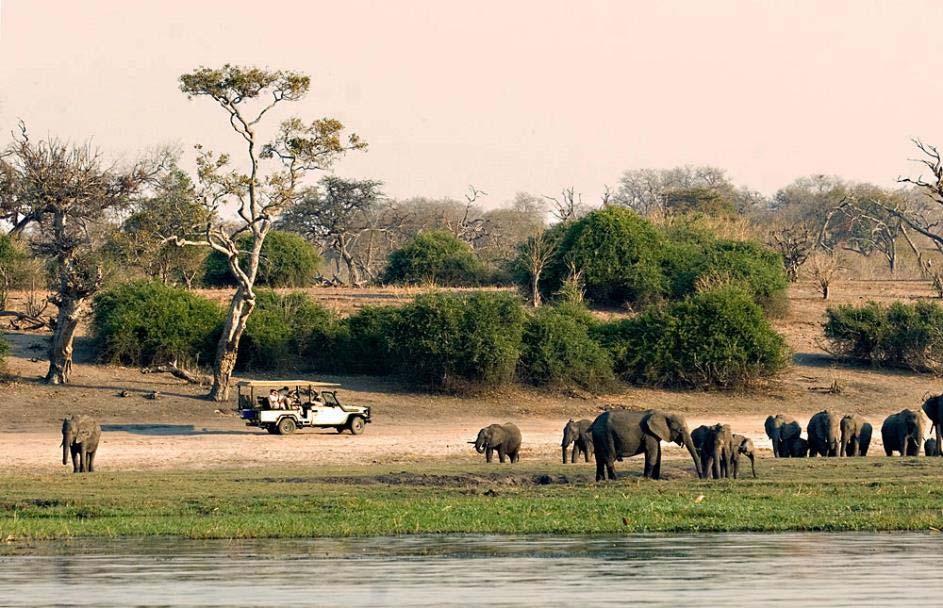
[270, 502]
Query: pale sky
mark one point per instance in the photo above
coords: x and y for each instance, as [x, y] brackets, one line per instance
[508, 96]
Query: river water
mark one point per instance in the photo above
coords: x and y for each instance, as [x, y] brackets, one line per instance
[800, 569]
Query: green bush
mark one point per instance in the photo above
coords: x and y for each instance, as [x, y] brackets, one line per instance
[287, 260]
[364, 341]
[436, 257]
[455, 341]
[4, 350]
[287, 332]
[694, 263]
[141, 323]
[557, 350]
[717, 338]
[899, 335]
[618, 254]
[624, 259]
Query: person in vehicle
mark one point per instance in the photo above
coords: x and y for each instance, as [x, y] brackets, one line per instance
[274, 400]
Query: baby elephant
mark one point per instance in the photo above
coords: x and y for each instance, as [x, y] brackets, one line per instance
[577, 434]
[503, 438]
[797, 448]
[715, 447]
[930, 447]
[743, 447]
[80, 436]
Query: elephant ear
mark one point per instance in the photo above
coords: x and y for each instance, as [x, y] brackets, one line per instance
[656, 424]
[83, 432]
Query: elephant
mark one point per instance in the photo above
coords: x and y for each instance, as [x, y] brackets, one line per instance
[503, 438]
[903, 432]
[930, 447]
[855, 436]
[622, 433]
[717, 451]
[80, 437]
[782, 430]
[743, 446]
[577, 434]
[823, 433]
[797, 448]
[933, 408]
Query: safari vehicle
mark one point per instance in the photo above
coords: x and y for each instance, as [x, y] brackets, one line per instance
[302, 404]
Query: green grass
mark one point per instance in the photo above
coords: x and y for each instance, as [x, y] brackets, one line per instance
[838, 494]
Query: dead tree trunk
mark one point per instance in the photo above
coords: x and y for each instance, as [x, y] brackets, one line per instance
[61, 345]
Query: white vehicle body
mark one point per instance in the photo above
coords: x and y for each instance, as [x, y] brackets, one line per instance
[303, 405]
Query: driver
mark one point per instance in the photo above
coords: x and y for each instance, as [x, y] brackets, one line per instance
[274, 400]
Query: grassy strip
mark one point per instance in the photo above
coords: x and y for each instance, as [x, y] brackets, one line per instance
[846, 494]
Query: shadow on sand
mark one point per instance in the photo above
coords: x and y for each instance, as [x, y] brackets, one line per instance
[169, 429]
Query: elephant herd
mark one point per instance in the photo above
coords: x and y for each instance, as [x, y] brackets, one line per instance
[716, 450]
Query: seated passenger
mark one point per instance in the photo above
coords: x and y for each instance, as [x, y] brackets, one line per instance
[274, 400]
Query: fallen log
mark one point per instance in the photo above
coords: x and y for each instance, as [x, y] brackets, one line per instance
[176, 372]
[21, 320]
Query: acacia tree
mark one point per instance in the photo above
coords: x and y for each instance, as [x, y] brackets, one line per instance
[269, 184]
[66, 193]
[339, 215]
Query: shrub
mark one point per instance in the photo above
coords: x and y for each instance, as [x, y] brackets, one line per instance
[900, 335]
[4, 350]
[435, 257]
[287, 332]
[363, 341]
[618, 254]
[287, 260]
[557, 350]
[454, 341]
[142, 322]
[717, 338]
[694, 261]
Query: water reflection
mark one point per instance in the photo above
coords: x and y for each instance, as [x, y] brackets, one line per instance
[676, 570]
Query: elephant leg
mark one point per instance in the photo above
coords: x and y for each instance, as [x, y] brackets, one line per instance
[574, 453]
[90, 462]
[489, 453]
[656, 473]
[736, 467]
[600, 469]
[501, 454]
[939, 449]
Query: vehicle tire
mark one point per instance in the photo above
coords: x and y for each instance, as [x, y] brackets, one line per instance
[356, 425]
[286, 426]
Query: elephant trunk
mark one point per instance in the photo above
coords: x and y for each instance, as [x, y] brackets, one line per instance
[66, 442]
[564, 454]
[777, 444]
[688, 443]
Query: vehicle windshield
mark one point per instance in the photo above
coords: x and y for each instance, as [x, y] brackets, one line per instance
[329, 398]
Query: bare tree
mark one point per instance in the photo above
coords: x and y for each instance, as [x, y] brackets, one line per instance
[67, 192]
[823, 267]
[568, 206]
[795, 243]
[247, 94]
[339, 216]
[535, 254]
[862, 225]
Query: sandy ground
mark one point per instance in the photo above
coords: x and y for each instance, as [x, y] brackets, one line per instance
[183, 430]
